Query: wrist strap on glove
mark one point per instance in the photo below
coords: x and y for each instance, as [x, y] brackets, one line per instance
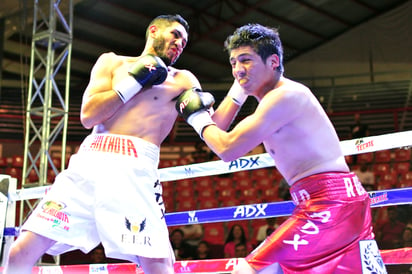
[237, 94]
[199, 120]
[127, 88]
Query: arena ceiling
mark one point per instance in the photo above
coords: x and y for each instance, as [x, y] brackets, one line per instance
[119, 25]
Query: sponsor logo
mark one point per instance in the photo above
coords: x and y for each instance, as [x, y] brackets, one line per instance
[243, 163]
[50, 270]
[188, 171]
[232, 263]
[192, 97]
[246, 211]
[135, 227]
[98, 268]
[371, 259]
[52, 212]
[192, 217]
[377, 199]
[362, 145]
[135, 237]
[150, 67]
[183, 267]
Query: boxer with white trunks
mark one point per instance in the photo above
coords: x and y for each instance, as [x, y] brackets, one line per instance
[116, 201]
[330, 230]
[110, 192]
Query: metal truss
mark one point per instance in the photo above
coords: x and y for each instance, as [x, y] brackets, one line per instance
[47, 109]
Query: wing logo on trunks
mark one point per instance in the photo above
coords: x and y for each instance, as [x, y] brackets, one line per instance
[135, 237]
[135, 227]
[52, 212]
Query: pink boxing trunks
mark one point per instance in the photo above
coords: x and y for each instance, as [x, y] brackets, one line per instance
[323, 235]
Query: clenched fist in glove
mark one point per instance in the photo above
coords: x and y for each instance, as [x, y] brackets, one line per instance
[146, 71]
[194, 106]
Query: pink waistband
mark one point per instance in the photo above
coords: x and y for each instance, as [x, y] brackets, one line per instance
[329, 186]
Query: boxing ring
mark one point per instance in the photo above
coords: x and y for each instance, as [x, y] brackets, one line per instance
[381, 198]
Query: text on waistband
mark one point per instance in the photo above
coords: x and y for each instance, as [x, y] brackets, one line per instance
[114, 144]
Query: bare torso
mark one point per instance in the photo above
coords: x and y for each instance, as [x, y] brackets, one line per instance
[307, 144]
[151, 113]
[293, 127]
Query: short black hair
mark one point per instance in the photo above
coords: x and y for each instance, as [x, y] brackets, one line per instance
[166, 20]
[177, 230]
[265, 41]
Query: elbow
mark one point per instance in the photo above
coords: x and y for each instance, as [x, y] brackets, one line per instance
[227, 156]
[228, 159]
[86, 121]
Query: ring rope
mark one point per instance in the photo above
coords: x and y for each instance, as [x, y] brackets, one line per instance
[394, 256]
[389, 197]
[349, 147]
[380, 198]
[244, 212]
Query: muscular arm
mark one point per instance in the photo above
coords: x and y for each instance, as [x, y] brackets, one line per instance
[273, 112]
[225, 113]
[100, 101]
[228, 109]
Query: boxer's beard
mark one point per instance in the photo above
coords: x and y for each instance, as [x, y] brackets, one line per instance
[159, 45]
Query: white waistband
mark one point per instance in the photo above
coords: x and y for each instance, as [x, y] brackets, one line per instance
[120, 144]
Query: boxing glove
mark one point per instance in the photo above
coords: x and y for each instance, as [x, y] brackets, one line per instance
[146, 71]
[194, 106]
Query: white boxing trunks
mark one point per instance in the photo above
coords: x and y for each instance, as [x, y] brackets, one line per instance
[110, 193]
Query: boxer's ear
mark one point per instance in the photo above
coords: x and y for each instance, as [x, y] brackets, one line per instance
[274, 61]
[152, 30]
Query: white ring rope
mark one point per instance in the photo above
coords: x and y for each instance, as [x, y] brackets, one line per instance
[349, 147]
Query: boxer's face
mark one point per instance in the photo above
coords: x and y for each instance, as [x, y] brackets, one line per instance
[249, 69]
[170, 42]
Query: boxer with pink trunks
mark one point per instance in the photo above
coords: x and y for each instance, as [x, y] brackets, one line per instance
[322, 236]
[330, 230]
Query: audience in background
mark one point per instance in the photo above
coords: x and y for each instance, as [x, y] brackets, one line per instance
[406, 242]
[241, 250]
[201, 153]
[193, 234]
[358, 130]
[266, 229]
[284, 193]
[203, 251]
[182, 250]
[366, 176]
[236, 235]
[389, 232]
[407, 237]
